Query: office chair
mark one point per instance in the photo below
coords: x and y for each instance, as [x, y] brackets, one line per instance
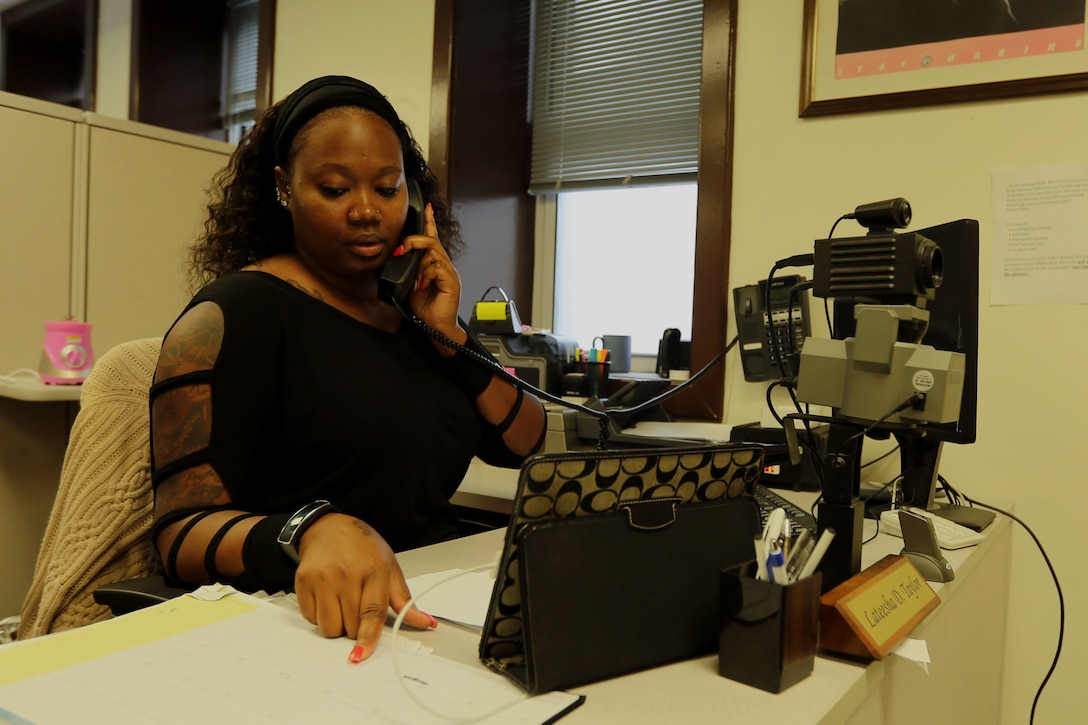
[98, 534]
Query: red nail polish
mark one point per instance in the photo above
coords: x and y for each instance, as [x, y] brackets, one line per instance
[434, 622]
[398, 251]
[356, 654]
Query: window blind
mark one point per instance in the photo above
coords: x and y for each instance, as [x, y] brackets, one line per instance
[241, 92]
[615, 92]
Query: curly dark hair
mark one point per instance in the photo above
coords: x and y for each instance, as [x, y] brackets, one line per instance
[246, 223]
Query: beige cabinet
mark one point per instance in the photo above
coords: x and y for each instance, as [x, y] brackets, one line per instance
[37, 202]
[95, 218]
[146, 201]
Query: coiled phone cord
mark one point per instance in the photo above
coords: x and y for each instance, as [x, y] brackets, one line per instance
[602, 416]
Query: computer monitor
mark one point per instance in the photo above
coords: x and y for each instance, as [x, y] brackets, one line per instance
[953, 326]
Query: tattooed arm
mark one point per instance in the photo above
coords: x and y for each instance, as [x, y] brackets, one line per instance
[347, 576]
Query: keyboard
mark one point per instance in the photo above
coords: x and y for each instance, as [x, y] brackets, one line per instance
[950, 535]
[767, 501]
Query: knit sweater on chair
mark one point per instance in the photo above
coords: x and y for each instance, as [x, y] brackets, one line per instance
[98, 530]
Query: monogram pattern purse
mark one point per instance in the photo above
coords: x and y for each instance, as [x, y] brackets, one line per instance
[602, 544]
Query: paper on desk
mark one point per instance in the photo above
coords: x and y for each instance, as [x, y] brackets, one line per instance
[212, 592]
[186, 661]
[455, 595]
[695, 430]
[915, 650]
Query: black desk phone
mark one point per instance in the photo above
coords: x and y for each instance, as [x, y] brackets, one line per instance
[768, 345]
[398, 277]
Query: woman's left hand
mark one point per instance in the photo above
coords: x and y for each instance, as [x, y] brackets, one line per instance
[437, 295]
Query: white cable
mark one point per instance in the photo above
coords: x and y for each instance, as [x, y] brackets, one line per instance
[490, 566]
[13, 376]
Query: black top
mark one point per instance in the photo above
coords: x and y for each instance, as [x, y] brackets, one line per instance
[309, 403]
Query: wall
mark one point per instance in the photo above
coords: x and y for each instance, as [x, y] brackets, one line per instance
[389, 45]
[793, 177]
[114, 57]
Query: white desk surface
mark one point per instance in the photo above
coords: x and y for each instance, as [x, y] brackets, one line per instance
[965, 636]
[36, 391]
[692, 691]
[487, 488]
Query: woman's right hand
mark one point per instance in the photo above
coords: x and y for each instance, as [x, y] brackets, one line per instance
[347, 579]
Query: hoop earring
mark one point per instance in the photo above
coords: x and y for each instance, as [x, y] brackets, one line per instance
[281, 198]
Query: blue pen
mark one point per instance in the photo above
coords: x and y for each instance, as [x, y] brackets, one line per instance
[776, 564]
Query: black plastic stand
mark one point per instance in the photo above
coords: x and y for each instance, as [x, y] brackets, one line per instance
[920, 459]
[841, 508]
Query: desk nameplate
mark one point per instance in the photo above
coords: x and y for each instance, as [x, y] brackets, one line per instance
[869, 614]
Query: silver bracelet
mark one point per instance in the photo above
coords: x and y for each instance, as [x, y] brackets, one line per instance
[291, 533]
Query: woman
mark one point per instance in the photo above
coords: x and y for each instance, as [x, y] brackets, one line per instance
[302, 429]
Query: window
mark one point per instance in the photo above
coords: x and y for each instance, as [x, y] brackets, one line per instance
[241, 90]
[623, 261]
[615, 143]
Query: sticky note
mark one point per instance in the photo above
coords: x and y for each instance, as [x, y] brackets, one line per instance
[491, 310]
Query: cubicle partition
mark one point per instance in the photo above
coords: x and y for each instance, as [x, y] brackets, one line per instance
[95, 216]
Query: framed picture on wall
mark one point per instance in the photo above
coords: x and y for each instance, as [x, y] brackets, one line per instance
[865, 55]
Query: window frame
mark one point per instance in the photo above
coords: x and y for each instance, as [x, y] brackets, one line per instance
[53, 44]
[178, 77]
[706, 398]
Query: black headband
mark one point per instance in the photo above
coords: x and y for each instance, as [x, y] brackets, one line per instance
[324, 93]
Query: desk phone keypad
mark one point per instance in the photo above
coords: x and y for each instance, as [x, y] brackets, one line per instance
[785, 324]
[767, 501]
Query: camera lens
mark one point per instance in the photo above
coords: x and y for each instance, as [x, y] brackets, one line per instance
[930, 264]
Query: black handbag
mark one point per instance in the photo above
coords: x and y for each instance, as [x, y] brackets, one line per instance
[612, 561]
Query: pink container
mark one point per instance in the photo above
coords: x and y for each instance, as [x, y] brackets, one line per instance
[67, 356]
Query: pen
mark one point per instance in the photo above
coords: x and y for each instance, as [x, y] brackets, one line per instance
[818, 552]
[761, 559]
[799, 553]
[775, 564]
[773, 529]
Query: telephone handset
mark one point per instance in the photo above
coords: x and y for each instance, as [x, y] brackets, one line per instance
[396, 281]
[399, 274]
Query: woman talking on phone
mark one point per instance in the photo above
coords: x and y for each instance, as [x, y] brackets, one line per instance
[302, 429]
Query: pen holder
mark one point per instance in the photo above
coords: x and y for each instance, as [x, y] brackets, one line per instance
[596, 378]
[769, 632]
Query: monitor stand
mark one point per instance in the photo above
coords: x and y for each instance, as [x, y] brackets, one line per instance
[920, 458]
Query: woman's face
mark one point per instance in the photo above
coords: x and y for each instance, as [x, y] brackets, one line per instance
[346, 192]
